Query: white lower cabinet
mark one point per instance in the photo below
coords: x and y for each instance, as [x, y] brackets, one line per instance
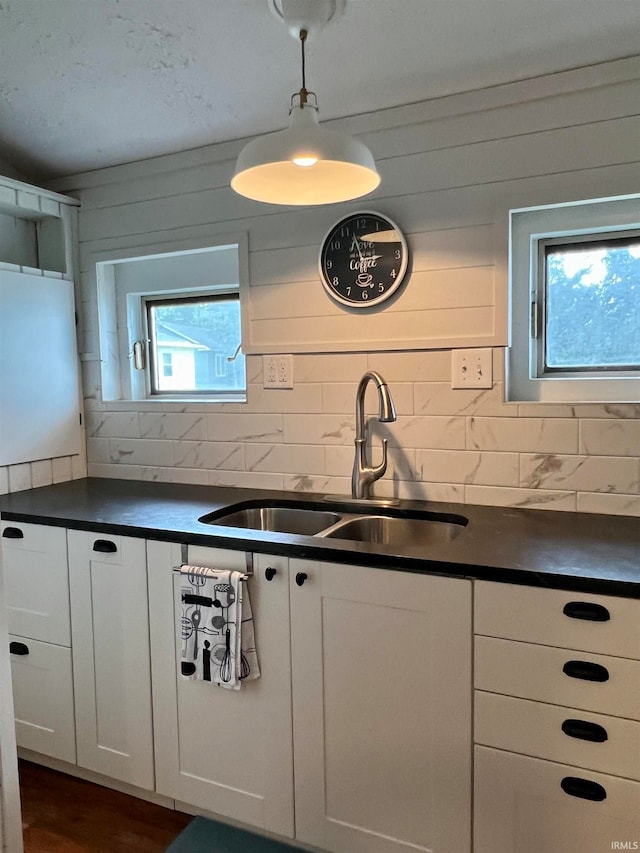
[37, 596]
[224, 751]
[527, 805]
[557, 724]
[42, 680]
[111, 669]
[360, 724]
[357, 736]
[381, 673]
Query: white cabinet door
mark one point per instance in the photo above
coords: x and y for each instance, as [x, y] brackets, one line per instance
[531, 806]
[43, 697]
[39, 393]
[36, 581]
[112, 679]
[225, 751]
[382, 709]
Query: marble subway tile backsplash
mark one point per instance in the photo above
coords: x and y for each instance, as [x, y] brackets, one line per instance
[446, 445]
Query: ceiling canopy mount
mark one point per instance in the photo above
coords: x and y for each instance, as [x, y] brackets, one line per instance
[309, 15]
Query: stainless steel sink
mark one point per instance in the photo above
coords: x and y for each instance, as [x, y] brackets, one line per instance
[414, 529]
[276, 519]
[388, 530]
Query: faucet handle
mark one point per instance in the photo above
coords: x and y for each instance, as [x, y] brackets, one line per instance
[382, 467]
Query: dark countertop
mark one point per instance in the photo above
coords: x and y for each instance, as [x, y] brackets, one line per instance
[564, 550]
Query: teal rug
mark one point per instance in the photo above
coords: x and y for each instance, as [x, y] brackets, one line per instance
[209, 836]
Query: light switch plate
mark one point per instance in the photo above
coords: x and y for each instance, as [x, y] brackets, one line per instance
[471, 368]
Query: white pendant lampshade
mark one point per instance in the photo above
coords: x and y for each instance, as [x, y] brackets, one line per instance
[305, 164]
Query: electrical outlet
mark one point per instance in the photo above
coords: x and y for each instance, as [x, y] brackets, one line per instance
[278, 371]
[270, 371]
[471, 368]
[285, 371]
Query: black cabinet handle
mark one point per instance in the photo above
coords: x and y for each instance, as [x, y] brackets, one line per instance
[584, 730]
[18, 648]
[583, 788]
[587, 610]
[586, 670]
[270, 573]
[105, 546]
[12, 533]
[301, 578]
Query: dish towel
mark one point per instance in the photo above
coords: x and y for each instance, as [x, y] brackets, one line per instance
[217, 633]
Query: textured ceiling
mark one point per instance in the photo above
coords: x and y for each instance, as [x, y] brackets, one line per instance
[91, 83]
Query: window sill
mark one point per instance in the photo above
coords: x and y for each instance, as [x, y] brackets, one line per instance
[173, 403]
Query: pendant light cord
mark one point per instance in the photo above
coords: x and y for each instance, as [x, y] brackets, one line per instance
[303, 91]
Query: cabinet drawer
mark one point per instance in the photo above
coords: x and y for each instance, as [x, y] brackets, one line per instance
[558, 734]
[43, 698]
[101, 547]
[537, 672]
[520, 804]
[595, 623]
[36, 581]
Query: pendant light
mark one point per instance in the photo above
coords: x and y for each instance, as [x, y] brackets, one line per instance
[305, 164]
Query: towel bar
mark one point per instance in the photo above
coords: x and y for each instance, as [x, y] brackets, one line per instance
[184, 556]
[243, 577]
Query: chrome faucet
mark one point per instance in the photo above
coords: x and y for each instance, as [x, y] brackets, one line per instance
[364, 474]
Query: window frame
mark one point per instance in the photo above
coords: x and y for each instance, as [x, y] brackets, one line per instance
[601, 241]
[153, 365]
[119, 316]
[530, 231]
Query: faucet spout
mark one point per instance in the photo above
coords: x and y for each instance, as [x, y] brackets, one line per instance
[365, 474]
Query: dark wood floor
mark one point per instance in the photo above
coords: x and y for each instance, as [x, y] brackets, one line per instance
[61, 814]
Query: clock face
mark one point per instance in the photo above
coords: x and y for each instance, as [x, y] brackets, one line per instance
[363, 259]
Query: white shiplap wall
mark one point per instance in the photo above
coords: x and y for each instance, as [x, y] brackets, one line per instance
[451, 169]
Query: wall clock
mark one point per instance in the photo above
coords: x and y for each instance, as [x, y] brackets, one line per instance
[363, 259]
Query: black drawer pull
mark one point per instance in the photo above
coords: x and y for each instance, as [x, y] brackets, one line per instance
[270, 573]
[583, 788]
[18, 648]
[586, 610]
[105, 546]
[301, 578]
[586, 670]
[12, 533]
[584, 730]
